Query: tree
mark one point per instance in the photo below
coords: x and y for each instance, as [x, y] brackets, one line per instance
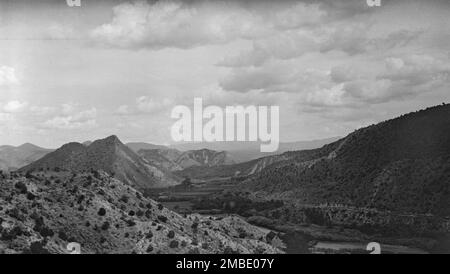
[186, 182]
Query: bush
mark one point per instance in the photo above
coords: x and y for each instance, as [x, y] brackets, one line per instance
[21, 187]
[149, 248]
[30, 196]
[130, 222]
[171, 234]
[101, 212]
[105, 226]
[149, 235]
[46, 232]
[62, 235]
[173, 244]
[124, 199]
[12, 234]
[270, 236]
[162, 218]
[37, 248]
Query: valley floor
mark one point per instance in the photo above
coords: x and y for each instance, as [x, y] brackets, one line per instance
[299, 238]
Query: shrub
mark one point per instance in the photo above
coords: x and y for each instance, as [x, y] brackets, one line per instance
[101, 212]
[173, 244]
[149, 235]
[130, 222]
[171, 234]
[124, 199]
[12, 234]
[37, 248]
[270, 236]
[62, 235]
[46, 232]
[21, 187]
[162, 218]
[105, 226]
[30, 196]
[149, 248]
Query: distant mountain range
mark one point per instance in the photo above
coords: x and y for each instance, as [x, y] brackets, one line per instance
[247, 151]
[12, 158]
[398, 165]
[109, 155]
[174, 160]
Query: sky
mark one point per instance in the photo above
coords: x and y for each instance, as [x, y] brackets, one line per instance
[119, 67]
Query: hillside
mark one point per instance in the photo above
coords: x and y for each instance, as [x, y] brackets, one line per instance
[12, 158]
[398, 165]
[242, 152]
[252, 167]
[109, 155]
[163, 158]
[174, 160]
[44, 211]
[136, 146]
[204, 157]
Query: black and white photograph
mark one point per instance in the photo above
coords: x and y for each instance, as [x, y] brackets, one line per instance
[224, 127]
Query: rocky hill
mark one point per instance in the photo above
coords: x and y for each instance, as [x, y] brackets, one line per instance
[204, 157]
[109, 155]
[12, 158]
[399, 165]
[136, 146]
[44, 211]
[164, 158]
[244, 151]
[175, 160]
[242, 170]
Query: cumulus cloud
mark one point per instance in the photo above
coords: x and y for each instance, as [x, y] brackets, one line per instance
[181, 25]
[59, 32]
[78, 120]
[145, 105]
[349, 85]
[351, 39]
[15, 106]
[7, 76]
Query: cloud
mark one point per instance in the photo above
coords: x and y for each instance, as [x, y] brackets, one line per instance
[8, 76]
[351, 84]
[145, 105]
[276, 77]
[351, 39]
[15, 107]
[80, 120]
[186, 25]
[59, 32]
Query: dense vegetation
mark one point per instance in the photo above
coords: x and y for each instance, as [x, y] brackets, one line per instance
[398, 165]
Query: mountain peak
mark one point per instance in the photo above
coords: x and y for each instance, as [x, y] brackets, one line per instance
[112, 138]
[28, 146]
